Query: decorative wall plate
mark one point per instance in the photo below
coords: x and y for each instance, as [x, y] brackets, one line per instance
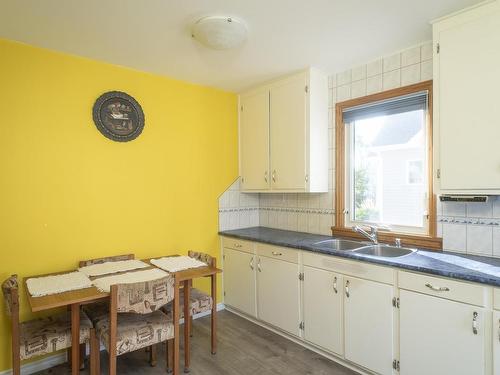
[118, 116]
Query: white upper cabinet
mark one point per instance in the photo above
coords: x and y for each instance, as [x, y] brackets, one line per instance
[466, 110]
[284, 135]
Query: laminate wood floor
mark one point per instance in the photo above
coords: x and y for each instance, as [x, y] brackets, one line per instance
[244, 348]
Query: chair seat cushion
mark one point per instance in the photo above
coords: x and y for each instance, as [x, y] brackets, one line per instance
[97, 311]
[48, 335]
[200, 302]
[136, 331]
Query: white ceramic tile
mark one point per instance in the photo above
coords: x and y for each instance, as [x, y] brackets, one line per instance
[292, 221]
[302, 200]
[496, 242]
[479, 240]
[273, 219]
[263, 218]
[325, 224]
[244, 221]
[392, 62]
[454, 209]
[234, 198]
[374, 84]
[455, 237]
[326, 200]
[224, 200]
[223, 221]
[479, 209]
[426, 70]
[410, 56]
[282, 220]
[358, 89]
[439, 228]
[313, 200]
[291, 200]
[233, 220]
[374, 68]
[496, 206]
[439, 207]
[343, 93]
[302, 222]
[410, 75]
[358, 73]
[344, 78]
[426, 51]
[313, 223]
[235, 185]
[254, 218]
[392, 80]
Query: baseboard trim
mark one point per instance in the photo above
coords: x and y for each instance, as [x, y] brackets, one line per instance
[300, 341]
[60, 358]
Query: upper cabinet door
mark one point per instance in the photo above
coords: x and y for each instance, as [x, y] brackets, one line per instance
[254, 141]
[288, 134]
[467, 77]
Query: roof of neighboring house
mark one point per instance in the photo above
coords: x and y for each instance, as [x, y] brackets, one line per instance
[398, 129]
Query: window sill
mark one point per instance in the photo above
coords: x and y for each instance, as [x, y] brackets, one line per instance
[421, 241]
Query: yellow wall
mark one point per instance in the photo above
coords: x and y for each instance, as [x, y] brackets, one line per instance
[68, 193]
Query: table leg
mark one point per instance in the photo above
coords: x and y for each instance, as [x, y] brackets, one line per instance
[176, 328]
[75, 339]
[213, 279]
[187, 325]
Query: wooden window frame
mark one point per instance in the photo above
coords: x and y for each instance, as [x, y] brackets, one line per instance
[429, 240]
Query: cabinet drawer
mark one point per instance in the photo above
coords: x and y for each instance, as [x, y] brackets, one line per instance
[444, 288]
[362, 270]
[236, 244]
[496, 298]
[276, 252]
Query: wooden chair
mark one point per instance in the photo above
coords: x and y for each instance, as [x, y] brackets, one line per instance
[115, 258]
[42, 336]
[134, 320]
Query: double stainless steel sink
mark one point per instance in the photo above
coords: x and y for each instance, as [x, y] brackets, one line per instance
[363, 248]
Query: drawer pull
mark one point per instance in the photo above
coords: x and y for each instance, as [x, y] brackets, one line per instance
[335, 285]
[237, 245]
[347, 294]
[251, 264]
[438, 288]
[258, 266]
[474, 323]
[276, 254]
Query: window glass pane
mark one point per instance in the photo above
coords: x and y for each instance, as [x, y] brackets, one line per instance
[388, 169]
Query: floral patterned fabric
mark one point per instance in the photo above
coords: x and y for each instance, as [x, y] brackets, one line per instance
[48, 335]
[136, 331]
[200, 302]
[202, 257]
[115, 258]
[7, 287]
[145, 297]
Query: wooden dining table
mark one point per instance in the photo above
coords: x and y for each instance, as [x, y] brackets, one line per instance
[76, 298]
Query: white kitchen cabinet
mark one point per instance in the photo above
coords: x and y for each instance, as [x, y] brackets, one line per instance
[368, 322]
[291, 154]
[466, 110]
[278, 294]
[437, 336]
[496, 342]
[254, 140]
[323, 307]
[239, 281]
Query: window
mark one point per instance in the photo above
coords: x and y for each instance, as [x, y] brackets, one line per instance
[383, 162]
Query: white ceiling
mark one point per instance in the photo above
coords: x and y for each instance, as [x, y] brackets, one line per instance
[284, 35]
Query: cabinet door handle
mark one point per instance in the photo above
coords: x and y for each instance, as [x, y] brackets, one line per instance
[258, 266]
[438, 288]
[474, 323]
[335, 285]
[265, 176]
[237, 245]
[276, 254]
[251, 264]
[274, 176]
[347, 294]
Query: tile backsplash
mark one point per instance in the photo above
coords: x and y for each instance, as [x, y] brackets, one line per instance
[472, 228]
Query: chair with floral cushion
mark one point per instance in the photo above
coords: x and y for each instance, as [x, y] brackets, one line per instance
[134, 320]
[42, 336]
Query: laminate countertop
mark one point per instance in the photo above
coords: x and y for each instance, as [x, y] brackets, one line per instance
[479, 269]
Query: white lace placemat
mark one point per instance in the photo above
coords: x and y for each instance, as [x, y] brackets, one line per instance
[175, 264]
[112, 267]
[104, 283]
[54, 284]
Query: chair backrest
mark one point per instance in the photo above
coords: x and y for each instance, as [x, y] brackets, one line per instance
[115, 258]
[10, 289]
[203, 257]
[143, 297]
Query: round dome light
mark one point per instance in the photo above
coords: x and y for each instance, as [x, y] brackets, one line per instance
[219, 32]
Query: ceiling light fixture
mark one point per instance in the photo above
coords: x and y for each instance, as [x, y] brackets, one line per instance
[219, 32]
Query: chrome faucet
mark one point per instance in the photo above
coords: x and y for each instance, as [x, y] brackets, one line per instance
[372, 236]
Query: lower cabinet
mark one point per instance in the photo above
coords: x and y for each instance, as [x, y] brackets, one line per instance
[278, 293]
[496, 342]
[323, 300]
[239, 281]
[439, 336]
[368, 323]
